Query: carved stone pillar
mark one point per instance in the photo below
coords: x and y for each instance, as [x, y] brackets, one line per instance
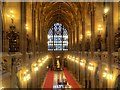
[33, 30]
[23, 32]
[1, 28]
[92, 15]
[39, 30]
[70, 39]
[83, 33]
[73, 40]
[78, 43]
[110, 34]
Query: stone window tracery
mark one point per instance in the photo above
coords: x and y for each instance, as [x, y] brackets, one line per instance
[57, 38]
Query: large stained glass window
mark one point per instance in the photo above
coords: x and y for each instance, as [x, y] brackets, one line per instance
[57, 38]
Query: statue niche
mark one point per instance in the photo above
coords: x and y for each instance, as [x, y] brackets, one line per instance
[13, 38]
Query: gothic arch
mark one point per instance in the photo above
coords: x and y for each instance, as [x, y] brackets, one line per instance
[57, 38]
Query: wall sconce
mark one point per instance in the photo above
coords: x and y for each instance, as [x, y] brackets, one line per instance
[107, 75]
[39, 61]
[105, 13]
[88, 34]
[11, 15]
[76, 60]
[72, 59]
[110, 76]
[26, 27]
[81, 36]
[40, 64]
[82, 62]
[106, 10]
[26, 75]
[68, 56]
[13, 36]
[104, 74]
[2, 88]
[35, 67]
[58, 57]
[90, 66]
[87, 44]
[100, 29]
[99, 39]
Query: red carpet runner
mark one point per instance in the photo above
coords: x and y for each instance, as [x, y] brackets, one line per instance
[49, 80]
[70, 79]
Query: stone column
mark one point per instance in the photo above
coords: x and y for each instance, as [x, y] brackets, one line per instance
[78, 43]
[69, 39]
[92, 29]
[33, 43]
[110, 36]
[40, 19]
[23, 44]
[2, 35]
[1, 29]
[33, 30]
[73, 40]
[83, 33]
[39, 30]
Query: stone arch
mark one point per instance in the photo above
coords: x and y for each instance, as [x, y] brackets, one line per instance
[58, 38]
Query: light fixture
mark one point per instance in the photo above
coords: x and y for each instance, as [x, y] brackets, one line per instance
[82, 62]
[106, 10]
[40, 64]
[72, 59]
[81, 36]
[110, 76]
[105, 13]
[26, 76]
[88, 34]
[107, 75]
[36, 68]
[100, 28]
[90, 66]
[76, 61]
[106, 69]
[11, 11]
[104, 74]
[11, 15]
[26, 71]
[2, 88]
[58, 56]
[39, 61]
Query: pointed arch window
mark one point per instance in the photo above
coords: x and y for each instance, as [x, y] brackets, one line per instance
[57, 38]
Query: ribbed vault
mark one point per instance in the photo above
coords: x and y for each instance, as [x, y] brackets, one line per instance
[65, 13]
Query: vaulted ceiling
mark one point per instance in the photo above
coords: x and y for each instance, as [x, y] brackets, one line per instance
[63, 12]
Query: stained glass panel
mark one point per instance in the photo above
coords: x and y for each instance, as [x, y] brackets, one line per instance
[57, 38]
